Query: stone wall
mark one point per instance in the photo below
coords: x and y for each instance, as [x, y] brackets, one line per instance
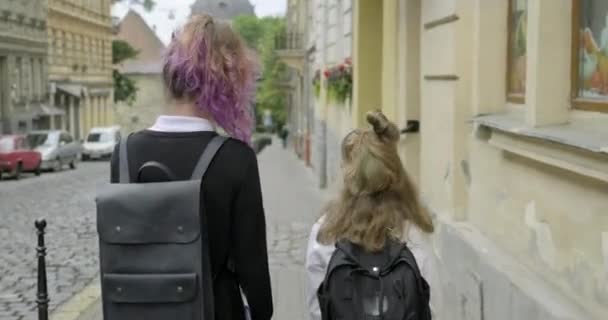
[149, 104]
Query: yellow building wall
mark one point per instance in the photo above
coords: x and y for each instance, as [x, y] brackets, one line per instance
[550, 222]
[367, 49]
[80, 53]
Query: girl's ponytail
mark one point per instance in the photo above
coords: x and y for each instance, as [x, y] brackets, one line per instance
[384, 129]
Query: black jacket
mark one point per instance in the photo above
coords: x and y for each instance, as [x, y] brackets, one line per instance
[232, 194]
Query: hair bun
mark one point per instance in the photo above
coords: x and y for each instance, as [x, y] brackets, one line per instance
[382, 126]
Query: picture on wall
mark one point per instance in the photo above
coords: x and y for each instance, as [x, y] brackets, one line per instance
[518, 17]
[593, 52]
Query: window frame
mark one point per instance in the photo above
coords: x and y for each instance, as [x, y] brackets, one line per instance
[580, 103]
[511, 97]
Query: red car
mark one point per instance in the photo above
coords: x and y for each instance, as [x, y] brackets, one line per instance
[16, 156]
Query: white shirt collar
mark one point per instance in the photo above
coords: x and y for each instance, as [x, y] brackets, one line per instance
[166, 123]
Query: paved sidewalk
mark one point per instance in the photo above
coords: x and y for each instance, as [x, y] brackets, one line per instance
[292, 202]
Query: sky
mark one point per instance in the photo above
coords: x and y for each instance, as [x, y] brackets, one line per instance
[159, 18]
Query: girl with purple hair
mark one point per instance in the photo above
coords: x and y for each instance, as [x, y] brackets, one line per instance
[209, 76]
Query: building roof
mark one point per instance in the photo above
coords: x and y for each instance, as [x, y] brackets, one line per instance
[134, 30]
[223, 9]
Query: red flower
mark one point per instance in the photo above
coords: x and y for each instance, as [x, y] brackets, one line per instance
[326, 73]
[341, 68]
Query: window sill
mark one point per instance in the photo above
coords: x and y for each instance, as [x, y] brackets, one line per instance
[580, 146]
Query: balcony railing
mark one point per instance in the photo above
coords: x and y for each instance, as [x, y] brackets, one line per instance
[289, 41]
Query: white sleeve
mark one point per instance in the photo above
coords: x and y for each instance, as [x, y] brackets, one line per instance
[420, 244]
[431, 273]
[317, 259]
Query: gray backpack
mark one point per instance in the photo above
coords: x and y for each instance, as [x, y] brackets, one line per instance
[154, 255]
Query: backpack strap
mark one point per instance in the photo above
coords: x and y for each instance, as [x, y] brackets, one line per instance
[199, 172]
[123, 166]
[203, 164]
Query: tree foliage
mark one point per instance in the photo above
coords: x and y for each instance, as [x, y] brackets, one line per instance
[125, 89]
[260, 34]
[121, 51]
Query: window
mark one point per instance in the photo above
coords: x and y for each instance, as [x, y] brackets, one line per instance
[100, 137]
[53, 46]
[20, 144]
[6, 144]
[66, 138]
[33, 78]
[42, 139]
[516, 64]
[590, 55]
[20, 81]
[42, 77]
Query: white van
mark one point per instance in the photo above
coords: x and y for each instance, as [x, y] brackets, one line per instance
[100, 143]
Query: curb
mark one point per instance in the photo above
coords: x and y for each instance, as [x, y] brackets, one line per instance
[82, 305]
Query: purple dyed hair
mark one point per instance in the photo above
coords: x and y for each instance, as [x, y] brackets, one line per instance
[208, 63]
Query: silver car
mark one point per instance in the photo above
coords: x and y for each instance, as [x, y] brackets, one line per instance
[58, 148]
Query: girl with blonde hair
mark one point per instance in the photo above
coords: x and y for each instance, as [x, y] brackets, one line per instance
[377, 206]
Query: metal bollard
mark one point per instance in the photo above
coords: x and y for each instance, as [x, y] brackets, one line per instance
[42, 298]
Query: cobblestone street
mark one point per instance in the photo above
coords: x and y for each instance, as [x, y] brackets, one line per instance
[65, 199]
[291, 200]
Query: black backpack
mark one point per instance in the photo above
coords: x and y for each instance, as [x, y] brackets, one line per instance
[153, 245]
[355, 281]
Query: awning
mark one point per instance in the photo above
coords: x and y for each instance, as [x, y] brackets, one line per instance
[43, 110]
[49, 110]
[71, 89]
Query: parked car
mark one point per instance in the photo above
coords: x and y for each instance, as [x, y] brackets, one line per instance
[260, 141]
[57, 148]
[17, 157]
[100, 143]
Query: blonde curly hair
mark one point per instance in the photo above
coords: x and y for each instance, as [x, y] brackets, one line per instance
[378, 197]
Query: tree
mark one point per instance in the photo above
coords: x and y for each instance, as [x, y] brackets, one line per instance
[125, 88]
[260, 34]
[250, 28]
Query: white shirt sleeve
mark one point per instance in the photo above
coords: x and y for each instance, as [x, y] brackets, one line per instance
[317, 260]
[421, 246]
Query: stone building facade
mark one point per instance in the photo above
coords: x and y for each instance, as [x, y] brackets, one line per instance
[23, 66]
[145, 70]
[510, 155]
[80, 64]
[316, 120]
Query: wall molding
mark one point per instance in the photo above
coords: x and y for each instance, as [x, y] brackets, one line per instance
[581, 162]
[441, 77]
[441, 21]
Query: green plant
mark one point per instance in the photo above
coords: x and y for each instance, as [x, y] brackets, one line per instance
[121, 51]
[125, 89]
[260, 33]
[339, 81]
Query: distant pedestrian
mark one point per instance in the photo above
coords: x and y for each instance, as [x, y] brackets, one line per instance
[209, 76]
[370, 256]
[284, 134]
